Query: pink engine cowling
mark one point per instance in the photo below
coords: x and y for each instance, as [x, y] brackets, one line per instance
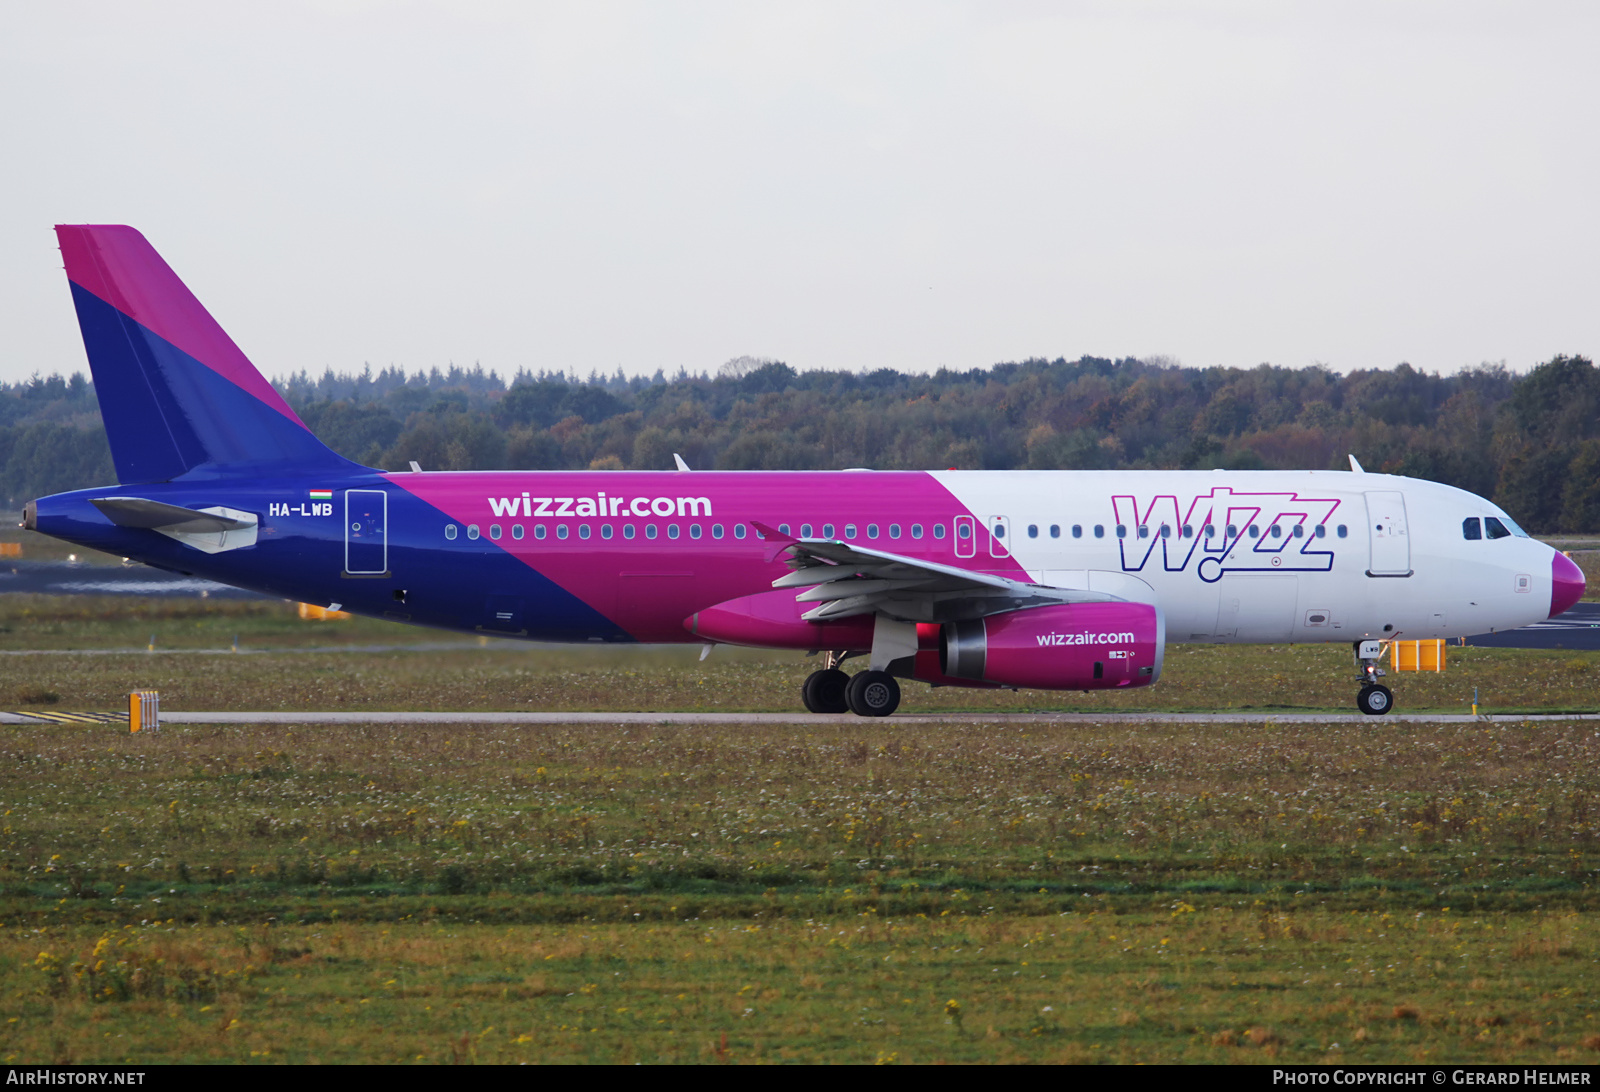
[1075, 646]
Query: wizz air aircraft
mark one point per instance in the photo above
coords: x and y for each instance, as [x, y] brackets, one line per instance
[1054, 580]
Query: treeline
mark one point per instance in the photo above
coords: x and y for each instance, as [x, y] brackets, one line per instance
[1530, 442]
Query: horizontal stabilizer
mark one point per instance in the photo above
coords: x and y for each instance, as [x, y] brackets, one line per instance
[156, 516]
[210, 530]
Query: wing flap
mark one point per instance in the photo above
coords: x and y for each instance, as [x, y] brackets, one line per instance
[847, 580]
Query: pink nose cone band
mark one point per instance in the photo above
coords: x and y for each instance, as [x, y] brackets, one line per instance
[1566, 584]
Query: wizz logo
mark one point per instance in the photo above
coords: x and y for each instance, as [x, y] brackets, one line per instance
[1226, 532]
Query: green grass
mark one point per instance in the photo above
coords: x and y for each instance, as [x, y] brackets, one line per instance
[1212, 985]
[816, 893]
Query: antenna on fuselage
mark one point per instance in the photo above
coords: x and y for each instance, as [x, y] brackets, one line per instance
[1355, 466]
[679, 460]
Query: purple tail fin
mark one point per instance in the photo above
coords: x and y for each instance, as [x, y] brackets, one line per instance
[176, 394]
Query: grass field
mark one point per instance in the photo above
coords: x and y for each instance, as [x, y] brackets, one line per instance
[834, 891]
[735, 893]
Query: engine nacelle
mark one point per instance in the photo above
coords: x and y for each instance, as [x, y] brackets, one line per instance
[1075, 646]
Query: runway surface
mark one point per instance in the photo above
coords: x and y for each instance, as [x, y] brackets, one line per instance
[796, 718]
[1578, 628]
[80, 578]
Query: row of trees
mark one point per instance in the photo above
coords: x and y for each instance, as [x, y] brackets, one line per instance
[1530, 442]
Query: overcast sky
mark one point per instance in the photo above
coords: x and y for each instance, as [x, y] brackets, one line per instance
[859, 185]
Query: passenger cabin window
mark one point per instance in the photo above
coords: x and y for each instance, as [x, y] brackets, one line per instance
[516, 531]
[1471, 529]
[1077, 530]
[938, 530]
[1033, 530]
[1055, 530]
[916, 530]
[1342, 531]
[1495, 528]
[1321, 531]
[1099, 530]
[805, 530]
[894, 530]
[540, 530]
[450, 531]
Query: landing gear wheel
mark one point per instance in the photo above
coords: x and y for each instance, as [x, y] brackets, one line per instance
[1375, 701]
[873, 694]
[823, 691]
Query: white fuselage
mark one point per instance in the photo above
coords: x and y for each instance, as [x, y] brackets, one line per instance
[1261, 556]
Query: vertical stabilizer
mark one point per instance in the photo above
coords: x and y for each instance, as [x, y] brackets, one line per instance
[175, 392]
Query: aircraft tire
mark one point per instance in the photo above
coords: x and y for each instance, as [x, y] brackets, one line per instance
[873, 694]
[1375, 701]
[824, 691]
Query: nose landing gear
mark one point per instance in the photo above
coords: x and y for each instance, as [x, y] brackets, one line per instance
[1375, 699]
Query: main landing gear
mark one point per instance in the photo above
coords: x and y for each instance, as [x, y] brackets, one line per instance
[1375, 699]
[866, 694]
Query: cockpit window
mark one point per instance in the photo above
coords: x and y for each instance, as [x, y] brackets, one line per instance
[1495, 528]
[1471, 530]
[1512, 524]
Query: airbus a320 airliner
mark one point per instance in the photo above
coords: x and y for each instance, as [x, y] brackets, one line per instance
[1055, 580]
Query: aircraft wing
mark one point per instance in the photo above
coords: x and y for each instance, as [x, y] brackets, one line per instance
[846, 580]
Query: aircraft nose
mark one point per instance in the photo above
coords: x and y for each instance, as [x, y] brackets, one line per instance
[1566, 583]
